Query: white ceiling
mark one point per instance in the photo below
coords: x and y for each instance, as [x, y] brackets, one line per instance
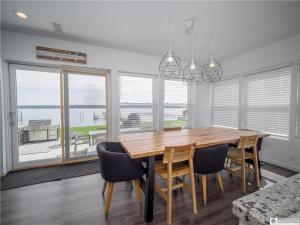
[142, 26]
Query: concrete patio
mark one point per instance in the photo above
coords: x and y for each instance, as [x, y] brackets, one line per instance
[51, 150]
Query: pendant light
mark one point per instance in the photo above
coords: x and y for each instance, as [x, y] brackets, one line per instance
[213, 70]
[170, 65]
[192, 72]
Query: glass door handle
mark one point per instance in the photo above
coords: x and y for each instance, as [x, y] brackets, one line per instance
[12, 118]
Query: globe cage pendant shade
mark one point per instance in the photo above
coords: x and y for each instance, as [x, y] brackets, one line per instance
[170, 65]
[192, 72]
[212, 70]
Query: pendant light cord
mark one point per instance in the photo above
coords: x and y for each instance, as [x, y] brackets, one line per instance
[170, 34]
[192, 40]
[211, 43]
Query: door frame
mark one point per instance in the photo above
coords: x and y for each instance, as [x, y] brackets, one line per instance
[65, 71]
[61, 70]
[14, 114]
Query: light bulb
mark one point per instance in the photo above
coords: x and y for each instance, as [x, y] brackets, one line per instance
[211, 65]
[192, 66]
[21, 15]
[170, 59]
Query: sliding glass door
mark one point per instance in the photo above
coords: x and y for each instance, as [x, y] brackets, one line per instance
[56, 115]
[85, 113]
[35, 115]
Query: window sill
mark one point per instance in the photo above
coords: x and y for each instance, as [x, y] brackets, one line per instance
[279, 138]
[135, 131]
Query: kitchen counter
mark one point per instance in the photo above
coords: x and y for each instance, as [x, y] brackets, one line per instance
[281, 200]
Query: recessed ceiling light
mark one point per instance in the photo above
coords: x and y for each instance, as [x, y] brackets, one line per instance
[21, 14]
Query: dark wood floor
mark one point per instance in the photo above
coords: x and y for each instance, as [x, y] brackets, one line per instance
[78, 201]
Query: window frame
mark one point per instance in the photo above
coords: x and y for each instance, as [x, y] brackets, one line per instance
[297, 131]
[189, 104]
[155, 100]
[232, 77]
[244, 97]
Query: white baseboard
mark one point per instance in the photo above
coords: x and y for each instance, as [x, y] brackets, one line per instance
[4, 172]
[283, 165]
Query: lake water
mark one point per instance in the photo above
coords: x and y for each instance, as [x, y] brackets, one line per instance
[85, 116]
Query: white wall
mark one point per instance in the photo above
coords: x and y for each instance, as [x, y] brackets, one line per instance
[284, 153]
[20, 47]
[6, 134]
[1, 113]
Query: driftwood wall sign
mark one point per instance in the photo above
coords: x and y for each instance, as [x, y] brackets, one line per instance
[60, 55]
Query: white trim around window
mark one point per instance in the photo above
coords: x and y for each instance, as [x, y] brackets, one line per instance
[225, 101]
[179, 95]
[263, 102]
[266, 101]
[177, 102]
[138, 102]
[298, 102]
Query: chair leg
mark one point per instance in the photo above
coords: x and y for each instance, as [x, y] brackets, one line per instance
[256, 168]
[136, 184]
[193, 187]
[108, 198]
[204, 188]
[243, 177]
[220, 182]
[104, 188]
[169, 199]
[230, 165]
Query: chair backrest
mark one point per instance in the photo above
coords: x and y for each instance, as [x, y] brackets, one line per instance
[174, 154]
[172, 128]
[211, 159]
[111, 146]
[115, 164]
[247, 142]
[259, 142]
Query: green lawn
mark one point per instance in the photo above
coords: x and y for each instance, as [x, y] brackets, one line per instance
[175, 123]
[85, 130]
[168, 123]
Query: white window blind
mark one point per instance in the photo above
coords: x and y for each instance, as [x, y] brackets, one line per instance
[267, 101]
[225, 103]
[136, 103]
[298, 104]
[177, 107]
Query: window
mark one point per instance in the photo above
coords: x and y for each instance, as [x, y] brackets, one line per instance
[136, 103]
[267, 101]
[298, 104]
[225, 103]
[177, 108]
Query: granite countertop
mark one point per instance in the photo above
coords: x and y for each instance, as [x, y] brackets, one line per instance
[280, 200]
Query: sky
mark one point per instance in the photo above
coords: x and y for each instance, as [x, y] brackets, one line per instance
[43, 88]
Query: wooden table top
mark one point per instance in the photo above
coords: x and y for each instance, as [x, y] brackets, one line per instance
[139, 145]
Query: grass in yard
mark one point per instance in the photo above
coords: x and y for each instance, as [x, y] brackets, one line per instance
[168, 123]
[85, 130]
[144, 125]
[175, 123]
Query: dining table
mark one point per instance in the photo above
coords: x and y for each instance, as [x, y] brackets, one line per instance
[146, 145]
